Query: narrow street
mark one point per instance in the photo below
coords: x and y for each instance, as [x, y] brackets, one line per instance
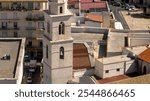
[118, 16]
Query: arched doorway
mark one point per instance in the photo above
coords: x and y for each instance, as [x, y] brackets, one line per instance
[144, 70]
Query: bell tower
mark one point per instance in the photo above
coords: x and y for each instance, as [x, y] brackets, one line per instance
[57, 44]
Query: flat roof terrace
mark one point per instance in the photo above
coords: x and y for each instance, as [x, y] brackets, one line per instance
[11, 48]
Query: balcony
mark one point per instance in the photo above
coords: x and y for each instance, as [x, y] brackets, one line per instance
[6, 28]
[30, 28]
[33, 48]
[9, 19]
[35, 18]
[18, 8]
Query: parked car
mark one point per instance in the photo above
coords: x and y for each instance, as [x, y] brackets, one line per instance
[129, 7]
[117, 4]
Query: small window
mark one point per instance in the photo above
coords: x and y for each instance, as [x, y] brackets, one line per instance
[118, 69]
[61, 10]
[61, 52]
[47, 51]
[107, 71]
[41, 44]
[61, 28]
[30, 43]
[15, 34]
[15, 25]
[48, 27]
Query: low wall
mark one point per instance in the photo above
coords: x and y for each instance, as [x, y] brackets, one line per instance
[79, 29]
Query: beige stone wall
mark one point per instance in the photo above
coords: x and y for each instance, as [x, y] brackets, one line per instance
[100, 69]
[147, 65]
[68, 54]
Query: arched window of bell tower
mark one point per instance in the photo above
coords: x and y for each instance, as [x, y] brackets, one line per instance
[61, 28]
[47, 51]
[61, 53]
[61, 10]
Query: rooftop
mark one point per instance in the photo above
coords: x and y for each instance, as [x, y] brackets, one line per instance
[80, 57]
[116, 78]
[93, 17]
[144, 79]
[145, 55]
[114, 59]
[73, 1]
[112, 79]
[9, 47]
[90, 5]
[82, 1]
[136, 50]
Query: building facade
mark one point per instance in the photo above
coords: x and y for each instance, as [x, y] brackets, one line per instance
[12, 52]
[24, 18]
[57, 44]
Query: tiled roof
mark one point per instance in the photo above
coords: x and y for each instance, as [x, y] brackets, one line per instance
[90, 1]
[93, 17]
[73, 1]
[113, 79]
[87, 1]
[82, 1]
[87, 6]
[145, 55]
[80, 57]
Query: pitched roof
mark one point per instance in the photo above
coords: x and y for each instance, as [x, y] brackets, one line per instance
[90, 5]
[144, 79]
[113, 79]
[73, 1]
[93, 17]
[80, 57]
[90, 1]
[82, 1]
[145, 55]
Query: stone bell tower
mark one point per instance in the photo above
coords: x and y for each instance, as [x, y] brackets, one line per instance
[57, 43]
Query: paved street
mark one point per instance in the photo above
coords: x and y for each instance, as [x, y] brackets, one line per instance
[118, 16]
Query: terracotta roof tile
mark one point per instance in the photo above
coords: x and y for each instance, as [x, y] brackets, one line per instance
[112, 79]
[87, 6]
[80, 57]
[73, 1]
[145, 55]
[93, 17]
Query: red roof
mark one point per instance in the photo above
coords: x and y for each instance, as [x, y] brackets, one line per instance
[90, 1]
[73, 1]
[87, 6]
[93, 17]
[82, 1]
[145, 55]
[87, 1]
[80, 57]
[112, 79]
